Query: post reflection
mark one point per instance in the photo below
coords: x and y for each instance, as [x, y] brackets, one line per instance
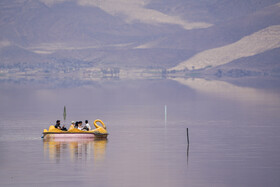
[81, 149]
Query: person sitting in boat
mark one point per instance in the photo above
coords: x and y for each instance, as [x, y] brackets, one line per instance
[72, 126]
[76, 124]
[57, 125]
[80, 125]
[87, 126]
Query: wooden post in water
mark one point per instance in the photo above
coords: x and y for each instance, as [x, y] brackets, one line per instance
[188, 141]
[188, 154]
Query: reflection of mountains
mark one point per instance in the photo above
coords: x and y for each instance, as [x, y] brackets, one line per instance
[77, 149]
[230, 91]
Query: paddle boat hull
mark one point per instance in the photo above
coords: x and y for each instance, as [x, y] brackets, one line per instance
[58, 135]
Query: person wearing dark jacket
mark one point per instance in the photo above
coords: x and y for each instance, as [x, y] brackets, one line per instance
[57, 125]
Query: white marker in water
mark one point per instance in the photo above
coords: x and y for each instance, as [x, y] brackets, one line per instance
[165, 113]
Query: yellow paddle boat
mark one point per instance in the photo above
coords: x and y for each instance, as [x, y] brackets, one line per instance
[99, 132]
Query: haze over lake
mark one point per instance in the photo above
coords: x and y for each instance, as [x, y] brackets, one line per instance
[149, 69]
[234, 134]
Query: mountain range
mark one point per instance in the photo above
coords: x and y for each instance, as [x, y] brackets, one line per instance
[177, 34]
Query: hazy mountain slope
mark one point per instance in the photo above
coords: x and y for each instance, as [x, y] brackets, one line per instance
[138, 11]
[222, 33]
[14, 54]
[210, 11]
[134, 33]
[263, 40]
[267, 62]
[62, 23]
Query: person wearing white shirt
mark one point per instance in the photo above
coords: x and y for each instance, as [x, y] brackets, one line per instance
[80, 125]
[87, 126]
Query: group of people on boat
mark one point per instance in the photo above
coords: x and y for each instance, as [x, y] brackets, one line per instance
[77, 124]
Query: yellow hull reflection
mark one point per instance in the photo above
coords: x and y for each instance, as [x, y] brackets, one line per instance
[85, 149]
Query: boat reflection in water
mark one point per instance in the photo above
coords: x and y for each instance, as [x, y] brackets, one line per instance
[77, 149]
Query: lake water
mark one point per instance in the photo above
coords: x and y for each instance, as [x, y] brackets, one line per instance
[234, 134]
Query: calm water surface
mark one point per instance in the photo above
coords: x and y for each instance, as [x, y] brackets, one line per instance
[234, 135]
